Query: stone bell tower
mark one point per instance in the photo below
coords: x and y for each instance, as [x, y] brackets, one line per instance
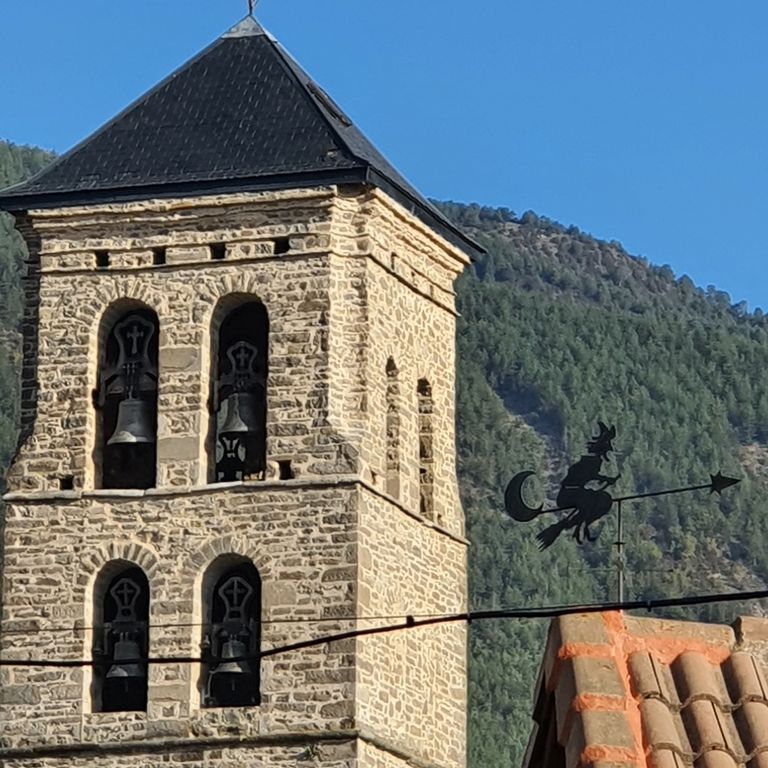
[237, 434]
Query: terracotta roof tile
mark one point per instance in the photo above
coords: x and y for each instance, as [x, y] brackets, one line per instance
[695, 678]
[751, 720]
[716, 759]
[708, 728]
[745, 678]
[652, 679]
[606, 764]
[667, 759]
[627, 691]
[598, 735]
[661, 730]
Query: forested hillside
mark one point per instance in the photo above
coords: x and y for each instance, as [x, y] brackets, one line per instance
[558, 330]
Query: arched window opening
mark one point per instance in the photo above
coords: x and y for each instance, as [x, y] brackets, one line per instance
[232, 641]
[240, 394]
[426, 451]
[393, 429]
[127, 402]
[121, 641]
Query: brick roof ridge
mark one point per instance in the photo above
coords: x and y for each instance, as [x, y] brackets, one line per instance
[641, 691]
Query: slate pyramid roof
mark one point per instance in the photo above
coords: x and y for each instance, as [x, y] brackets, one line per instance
[240, 116]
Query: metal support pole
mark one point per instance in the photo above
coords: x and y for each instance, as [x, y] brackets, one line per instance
[620, 553]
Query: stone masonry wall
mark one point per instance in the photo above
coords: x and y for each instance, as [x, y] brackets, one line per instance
[412, 685]
[349, 279]
[405, 286]
[302, 541]
[74, 296]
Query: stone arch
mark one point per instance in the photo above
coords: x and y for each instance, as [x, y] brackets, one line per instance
[198, 563]
[240, 546]
[134, 552]
[231, 287]
[105, 299]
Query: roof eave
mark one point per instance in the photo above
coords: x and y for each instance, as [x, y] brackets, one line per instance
[19, 202]
[45, 200]
[432, 218]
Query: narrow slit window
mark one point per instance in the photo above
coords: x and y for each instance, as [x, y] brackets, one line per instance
[426, 450]
[392, 429]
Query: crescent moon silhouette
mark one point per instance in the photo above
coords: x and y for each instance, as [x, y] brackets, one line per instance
[516, 508]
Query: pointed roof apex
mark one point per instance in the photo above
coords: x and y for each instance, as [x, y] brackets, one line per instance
[242, 115]
[248, 27]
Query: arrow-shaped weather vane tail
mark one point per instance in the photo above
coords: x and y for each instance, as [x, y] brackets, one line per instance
[718, 483]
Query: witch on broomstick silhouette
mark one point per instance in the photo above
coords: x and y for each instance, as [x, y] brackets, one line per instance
[583, 496]
[582, 493]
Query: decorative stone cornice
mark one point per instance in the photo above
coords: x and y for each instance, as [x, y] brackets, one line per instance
[169, 745]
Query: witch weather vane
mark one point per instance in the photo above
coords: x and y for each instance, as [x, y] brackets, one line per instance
[583, 493]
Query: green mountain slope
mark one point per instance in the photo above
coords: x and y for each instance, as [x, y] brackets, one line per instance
[558, 330]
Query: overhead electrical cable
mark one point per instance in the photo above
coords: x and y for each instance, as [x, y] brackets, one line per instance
[203, 624]
[411, 622]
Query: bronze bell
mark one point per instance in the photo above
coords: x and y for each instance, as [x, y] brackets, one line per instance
[134, 423]
[231, 683]
[125, 657]
[242, 415]
[231, 650]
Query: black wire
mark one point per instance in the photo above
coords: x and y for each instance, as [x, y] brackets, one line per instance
[412, 623]
[204, 624]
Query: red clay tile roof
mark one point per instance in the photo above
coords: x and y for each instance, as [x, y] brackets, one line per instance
[617, 691]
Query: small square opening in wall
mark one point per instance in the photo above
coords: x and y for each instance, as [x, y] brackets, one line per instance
[282, 245]
[67, 483]
[158, 256]
[218, 251]
[286, 470]
[102, 259]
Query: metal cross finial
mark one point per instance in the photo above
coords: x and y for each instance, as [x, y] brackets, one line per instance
[251, 6]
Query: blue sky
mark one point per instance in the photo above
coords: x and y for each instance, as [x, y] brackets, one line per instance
[644, 122]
